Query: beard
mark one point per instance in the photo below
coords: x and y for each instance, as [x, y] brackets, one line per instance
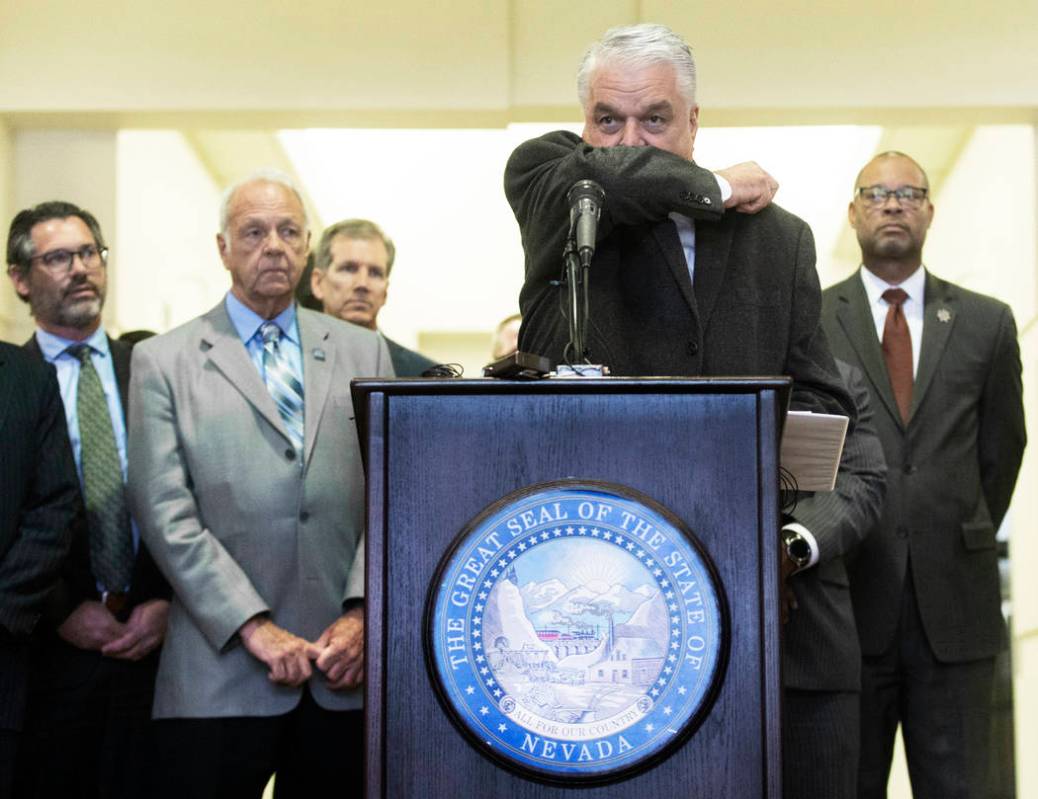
[69, 311]
[79, 313]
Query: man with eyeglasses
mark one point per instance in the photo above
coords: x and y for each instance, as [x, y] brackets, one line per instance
[88, 731]
[943, 368]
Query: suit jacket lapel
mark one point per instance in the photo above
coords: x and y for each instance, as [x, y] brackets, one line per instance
[121, 364]
[318, 368]
[940, 310]
[666, 235]
[855, 317]
[226, 352]
[713, 244]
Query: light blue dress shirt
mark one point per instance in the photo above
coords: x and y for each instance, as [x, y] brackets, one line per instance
[247, 323]
[67, 365]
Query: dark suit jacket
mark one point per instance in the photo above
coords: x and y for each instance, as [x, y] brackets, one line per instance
[77, 582]
[952, 468]
[407, 363]
[39, 498]
[820, 649]
[755, 304]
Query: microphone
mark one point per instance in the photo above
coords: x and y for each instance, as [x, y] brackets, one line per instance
[585, 200]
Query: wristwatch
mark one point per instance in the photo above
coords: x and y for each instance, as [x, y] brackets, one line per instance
[797, 548]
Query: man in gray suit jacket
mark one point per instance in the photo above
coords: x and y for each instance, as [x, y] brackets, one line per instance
[246, 476]
[943, 367]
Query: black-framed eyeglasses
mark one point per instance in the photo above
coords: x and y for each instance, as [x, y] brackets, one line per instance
[90, 256]
[906, 196]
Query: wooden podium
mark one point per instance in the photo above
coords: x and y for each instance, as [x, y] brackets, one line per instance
[439, 451]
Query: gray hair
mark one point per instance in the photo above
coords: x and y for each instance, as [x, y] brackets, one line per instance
[640, 46]
[353, 229]
[259, 176]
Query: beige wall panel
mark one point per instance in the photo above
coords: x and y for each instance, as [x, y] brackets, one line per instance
[10, 306]
[549, 39]
[77, 166]
[199, 54]
[482, 57]
[806, 54]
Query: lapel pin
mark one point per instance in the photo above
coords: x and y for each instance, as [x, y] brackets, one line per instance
[943, 315]
[318, 354]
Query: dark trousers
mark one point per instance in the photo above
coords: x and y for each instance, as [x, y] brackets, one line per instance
[8, 758]
[88, 730]
[819, 744]
[314, 752]
[944, 710]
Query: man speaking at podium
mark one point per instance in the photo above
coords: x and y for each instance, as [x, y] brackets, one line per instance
[679, 286]
[725, 294]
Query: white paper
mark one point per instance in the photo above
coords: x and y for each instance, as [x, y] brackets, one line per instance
[812, 444]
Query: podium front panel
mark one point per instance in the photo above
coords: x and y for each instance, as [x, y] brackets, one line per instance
[437, 459]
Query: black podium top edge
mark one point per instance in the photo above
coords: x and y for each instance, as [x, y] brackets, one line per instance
[362, 388]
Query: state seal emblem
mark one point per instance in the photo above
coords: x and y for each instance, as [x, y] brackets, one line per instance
[576, 632]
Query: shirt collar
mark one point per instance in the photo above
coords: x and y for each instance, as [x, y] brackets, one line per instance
[53, 346]
[247, 322]
[913, 285]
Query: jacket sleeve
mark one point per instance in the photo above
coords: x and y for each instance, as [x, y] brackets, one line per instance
[1002, 435]
[641, 184]
[50, 504]
[840, 519]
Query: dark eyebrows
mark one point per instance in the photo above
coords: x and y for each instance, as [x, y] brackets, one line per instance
[659, 107]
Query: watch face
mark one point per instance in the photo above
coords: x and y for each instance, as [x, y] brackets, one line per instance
[798, 549]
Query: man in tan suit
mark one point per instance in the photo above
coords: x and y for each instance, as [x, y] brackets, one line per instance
[246, 477]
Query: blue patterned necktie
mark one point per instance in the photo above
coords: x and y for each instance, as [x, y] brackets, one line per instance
[104, 494]
[284, 385]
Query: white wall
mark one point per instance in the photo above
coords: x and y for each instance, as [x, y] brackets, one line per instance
[168, 218]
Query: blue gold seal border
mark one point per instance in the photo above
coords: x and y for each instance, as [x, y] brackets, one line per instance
[668, 680]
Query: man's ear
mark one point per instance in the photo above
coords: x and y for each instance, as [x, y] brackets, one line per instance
[221, 245]
[20, 281]
[317, 283]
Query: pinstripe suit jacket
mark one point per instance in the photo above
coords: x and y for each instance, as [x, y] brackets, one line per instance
[232, 520]
[952, 467]
[820, 650]
[39, 500]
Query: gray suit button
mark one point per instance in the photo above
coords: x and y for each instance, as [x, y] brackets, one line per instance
[693, 347]
[304, 515]
[290, 454]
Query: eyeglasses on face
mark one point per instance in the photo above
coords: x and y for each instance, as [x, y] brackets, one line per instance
[59, 261]
[906, 196]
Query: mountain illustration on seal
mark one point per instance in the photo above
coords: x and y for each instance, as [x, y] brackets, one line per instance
[575, 650]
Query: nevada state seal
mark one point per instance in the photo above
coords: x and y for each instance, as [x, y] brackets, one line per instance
[576, 632]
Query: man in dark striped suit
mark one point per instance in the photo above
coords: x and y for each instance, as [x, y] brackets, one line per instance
[39, 498]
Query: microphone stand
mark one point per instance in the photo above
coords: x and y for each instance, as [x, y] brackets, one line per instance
[576, 288]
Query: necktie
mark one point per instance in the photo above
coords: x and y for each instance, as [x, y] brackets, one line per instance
[284, 385]
[104, 494]
[897, 350]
